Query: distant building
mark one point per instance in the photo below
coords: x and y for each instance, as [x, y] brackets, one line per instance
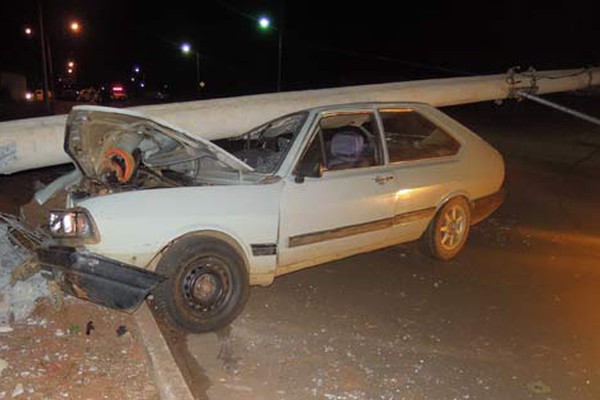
[12, 86]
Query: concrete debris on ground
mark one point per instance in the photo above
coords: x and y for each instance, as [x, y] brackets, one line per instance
[3, 366]
[16, 301]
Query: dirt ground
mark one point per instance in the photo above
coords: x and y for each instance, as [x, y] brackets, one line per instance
[80, 352]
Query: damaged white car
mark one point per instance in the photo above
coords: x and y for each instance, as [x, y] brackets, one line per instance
[152, 210]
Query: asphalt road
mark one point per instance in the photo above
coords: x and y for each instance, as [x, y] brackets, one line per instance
[515, 316]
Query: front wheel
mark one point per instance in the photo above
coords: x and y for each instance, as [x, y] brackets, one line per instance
[207, 285]
[447, 233]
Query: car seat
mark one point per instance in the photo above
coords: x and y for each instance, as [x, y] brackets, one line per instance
[346, 150]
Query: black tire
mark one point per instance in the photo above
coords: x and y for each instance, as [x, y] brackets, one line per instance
[207, 285]
[447, 232]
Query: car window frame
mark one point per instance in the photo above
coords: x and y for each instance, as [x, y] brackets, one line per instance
[416, 109]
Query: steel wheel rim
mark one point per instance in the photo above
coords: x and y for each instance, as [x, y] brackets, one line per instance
[452, 228]
[206, 285]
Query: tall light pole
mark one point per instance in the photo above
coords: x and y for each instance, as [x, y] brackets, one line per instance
[264, 23]
[186, 48]
[47, 65]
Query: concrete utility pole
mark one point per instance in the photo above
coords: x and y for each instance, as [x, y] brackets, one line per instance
[38, 142]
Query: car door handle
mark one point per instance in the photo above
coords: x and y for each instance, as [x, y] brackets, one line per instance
[384, 179]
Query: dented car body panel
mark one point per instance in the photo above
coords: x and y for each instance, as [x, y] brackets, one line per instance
[307, 188]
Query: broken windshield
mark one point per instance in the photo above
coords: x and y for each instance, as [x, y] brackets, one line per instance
[265, 147]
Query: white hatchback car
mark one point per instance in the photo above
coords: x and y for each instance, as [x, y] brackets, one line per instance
[151, 209]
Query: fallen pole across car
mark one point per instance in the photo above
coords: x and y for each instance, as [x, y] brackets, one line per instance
[38, 142]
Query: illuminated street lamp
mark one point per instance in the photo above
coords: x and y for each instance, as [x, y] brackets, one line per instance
[186, 48]
[75, 26]
[264, 23]
[28, 31]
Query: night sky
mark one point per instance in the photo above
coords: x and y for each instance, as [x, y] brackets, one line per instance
[325, 44]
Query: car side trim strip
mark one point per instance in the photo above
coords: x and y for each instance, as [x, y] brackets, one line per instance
[414, 215]
[350, 230]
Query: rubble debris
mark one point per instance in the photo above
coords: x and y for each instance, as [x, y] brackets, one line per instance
[18, 390]
[4, 313]
[538, 387]
[22, 237]
[121, 330]
[24, 271]
[3, 365]
[89, 327]
[56, 296]
[21, 285]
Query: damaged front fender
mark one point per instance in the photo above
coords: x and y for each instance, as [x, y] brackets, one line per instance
[98, 279]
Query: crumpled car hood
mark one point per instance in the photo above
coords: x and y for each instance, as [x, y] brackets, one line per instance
[94, 133]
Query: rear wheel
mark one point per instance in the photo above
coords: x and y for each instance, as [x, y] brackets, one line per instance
[207, 285]
[447, 233]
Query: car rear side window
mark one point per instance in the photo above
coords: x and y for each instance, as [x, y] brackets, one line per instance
[410, 136]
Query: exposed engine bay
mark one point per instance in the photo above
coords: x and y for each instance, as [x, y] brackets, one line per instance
[121, 166]
[118, 155]
[118, 151]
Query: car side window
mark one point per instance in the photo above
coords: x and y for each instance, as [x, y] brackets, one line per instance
[343, 140]
[411, 136]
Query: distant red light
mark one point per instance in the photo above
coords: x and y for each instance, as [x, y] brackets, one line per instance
[117, 88]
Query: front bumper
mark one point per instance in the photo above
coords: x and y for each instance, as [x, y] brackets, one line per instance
[92, 277]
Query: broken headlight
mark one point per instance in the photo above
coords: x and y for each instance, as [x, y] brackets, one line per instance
[75, 223]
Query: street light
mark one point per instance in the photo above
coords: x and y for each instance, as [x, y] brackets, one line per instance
[75, 26]
[186, 48]
[264, 23]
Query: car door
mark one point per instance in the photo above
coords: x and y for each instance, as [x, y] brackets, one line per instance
[340, 199]
[425, 162]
